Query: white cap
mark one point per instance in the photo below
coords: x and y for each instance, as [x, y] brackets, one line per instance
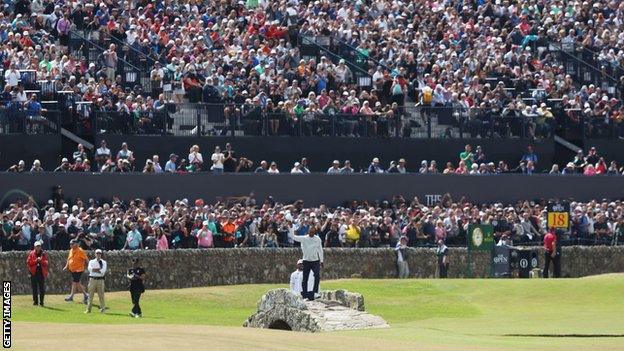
[300, 262]
[38, 243]
[98, 251]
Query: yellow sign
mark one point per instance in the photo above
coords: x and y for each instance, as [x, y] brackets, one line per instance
[558, 220]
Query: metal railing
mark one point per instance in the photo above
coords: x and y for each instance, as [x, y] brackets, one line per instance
[131, 75]
[582, 70]
[20, 118]
[253, 120]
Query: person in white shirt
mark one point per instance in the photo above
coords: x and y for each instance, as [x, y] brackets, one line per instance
[195, 157]
[401, 251]
[102, 154]
[12, 76]
[97, 270]
[296, 169]
[156, 163]
[273, 168]
[296, 279]
[312, 261]
[217, 161]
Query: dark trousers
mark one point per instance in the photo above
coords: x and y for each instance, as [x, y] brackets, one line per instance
[315, 267]
[136, 296]
[443, 270]
[556, 261]
[37, 282]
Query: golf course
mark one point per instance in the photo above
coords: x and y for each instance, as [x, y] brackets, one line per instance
[467, 314]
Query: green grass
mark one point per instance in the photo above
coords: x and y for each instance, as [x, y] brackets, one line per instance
[458, 313]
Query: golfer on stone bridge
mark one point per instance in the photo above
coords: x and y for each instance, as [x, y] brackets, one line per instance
[312, 261]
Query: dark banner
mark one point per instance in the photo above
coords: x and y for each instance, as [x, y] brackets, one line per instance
[314, 189]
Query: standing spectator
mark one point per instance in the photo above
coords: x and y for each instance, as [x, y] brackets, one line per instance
[443, 263]
[217, 160]
[229, 160]
[170, 166]
[347, 168]
[134, 239]
[530, 156]
[467, 156]
[162, 242]
[102, 155]
[195, 158]
[156, 164]
[136, 274]
[37, 262]
[110, 61]
[97, 270]
[79, 153]
[272, 169]
[335, 168]
[375, 167]
[125, 154]
[401, 251]
[76, 263]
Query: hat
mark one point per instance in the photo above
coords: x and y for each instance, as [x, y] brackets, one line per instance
[18, 223]
[73, 241]
[98, 251]
[300, 261]
[38, 243]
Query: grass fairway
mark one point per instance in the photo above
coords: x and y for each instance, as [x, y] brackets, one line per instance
[530, 314]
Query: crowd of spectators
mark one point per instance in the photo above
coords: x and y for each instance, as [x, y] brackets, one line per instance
[480, 56]
[247, 222]
[227, 160]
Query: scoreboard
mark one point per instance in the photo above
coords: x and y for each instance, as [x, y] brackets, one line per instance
[558, 216]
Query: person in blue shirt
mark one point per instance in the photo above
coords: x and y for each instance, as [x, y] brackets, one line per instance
[170, 166]
[530, 155]
[134, 239]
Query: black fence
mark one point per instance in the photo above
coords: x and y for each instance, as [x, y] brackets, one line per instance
[253, 120]
[313, 189]
[19, 118]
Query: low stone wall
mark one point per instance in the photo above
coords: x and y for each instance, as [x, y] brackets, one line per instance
[190, 268]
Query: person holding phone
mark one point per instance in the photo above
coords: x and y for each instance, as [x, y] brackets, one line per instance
[136, 274]
[37, 262]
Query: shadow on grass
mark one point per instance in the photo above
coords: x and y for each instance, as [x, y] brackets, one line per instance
[54, 309]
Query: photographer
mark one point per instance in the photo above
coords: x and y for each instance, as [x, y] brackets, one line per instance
[136, 274]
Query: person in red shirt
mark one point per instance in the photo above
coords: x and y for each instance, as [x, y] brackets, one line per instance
[551, 254]
[37, 262]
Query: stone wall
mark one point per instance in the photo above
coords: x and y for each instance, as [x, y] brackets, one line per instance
[189, 268]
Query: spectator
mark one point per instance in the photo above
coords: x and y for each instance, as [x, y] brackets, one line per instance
[272, 169]
[195, 158]
[102, 155]
[170, 166]
[335, 168]
[375, 167]
[36, 167]
[217, 160]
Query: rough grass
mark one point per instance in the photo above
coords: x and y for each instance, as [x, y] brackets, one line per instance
[425, 314]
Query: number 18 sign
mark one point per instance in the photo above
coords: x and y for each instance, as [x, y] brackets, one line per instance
[558, 216]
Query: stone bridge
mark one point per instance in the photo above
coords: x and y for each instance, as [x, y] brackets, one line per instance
[334, 310]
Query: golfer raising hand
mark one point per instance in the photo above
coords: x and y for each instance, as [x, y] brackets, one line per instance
[312, 261]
